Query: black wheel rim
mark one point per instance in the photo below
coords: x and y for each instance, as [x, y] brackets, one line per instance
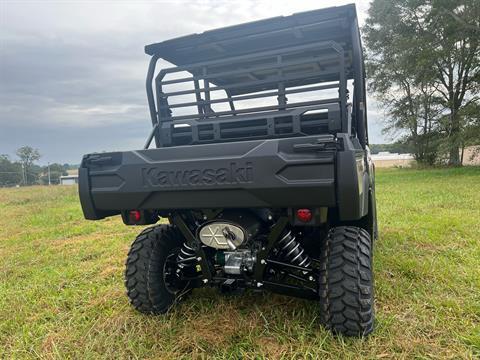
[171, 273]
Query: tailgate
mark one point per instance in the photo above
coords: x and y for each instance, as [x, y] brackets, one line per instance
[289, 172]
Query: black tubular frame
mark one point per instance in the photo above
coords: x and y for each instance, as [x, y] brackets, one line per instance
[160, 109]
[334, 61]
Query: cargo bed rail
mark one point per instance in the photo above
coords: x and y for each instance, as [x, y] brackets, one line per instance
[266, 78]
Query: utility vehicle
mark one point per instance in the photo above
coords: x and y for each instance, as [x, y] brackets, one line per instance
[258, 157]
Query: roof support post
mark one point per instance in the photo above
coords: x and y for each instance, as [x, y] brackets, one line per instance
[151, 99]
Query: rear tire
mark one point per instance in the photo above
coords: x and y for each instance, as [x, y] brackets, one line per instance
[146, 269]
[346, 281]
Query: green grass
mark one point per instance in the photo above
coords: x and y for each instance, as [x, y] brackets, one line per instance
[62, 294]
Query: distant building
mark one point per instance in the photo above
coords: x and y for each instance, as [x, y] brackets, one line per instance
[388, 159]
[69, 180]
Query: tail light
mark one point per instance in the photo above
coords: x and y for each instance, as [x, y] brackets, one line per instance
[134, 216]
[304, 215]
[139, 217]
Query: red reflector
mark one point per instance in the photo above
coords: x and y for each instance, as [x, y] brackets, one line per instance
[304, 215]
[135, 215]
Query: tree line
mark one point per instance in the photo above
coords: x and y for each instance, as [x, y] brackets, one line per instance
[25, 171]
[423, 64]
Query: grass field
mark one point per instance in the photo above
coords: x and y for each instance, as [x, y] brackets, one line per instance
[62, 294]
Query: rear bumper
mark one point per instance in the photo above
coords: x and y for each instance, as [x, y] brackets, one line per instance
[263, 173]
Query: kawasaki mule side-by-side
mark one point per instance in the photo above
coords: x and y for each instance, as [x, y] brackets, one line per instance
[258, 157]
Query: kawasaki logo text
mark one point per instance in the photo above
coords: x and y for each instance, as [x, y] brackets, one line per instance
[234, 174]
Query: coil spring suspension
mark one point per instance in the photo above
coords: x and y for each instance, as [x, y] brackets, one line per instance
[186, 257]
[291, 250]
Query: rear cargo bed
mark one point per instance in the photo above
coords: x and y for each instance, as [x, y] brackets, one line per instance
[239, 174]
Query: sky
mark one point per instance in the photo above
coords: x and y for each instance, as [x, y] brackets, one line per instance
[72, 73]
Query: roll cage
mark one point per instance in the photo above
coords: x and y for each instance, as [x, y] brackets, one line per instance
[267, 79]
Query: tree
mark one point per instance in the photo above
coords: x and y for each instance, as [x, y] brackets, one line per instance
[423, 59]
[455, 56]
[471, 122]
[10, 172]
[28, 156]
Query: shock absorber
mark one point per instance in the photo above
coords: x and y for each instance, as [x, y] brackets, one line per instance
[291, 250]
[186, 257]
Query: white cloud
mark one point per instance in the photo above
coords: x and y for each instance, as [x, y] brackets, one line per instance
[79, 66]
